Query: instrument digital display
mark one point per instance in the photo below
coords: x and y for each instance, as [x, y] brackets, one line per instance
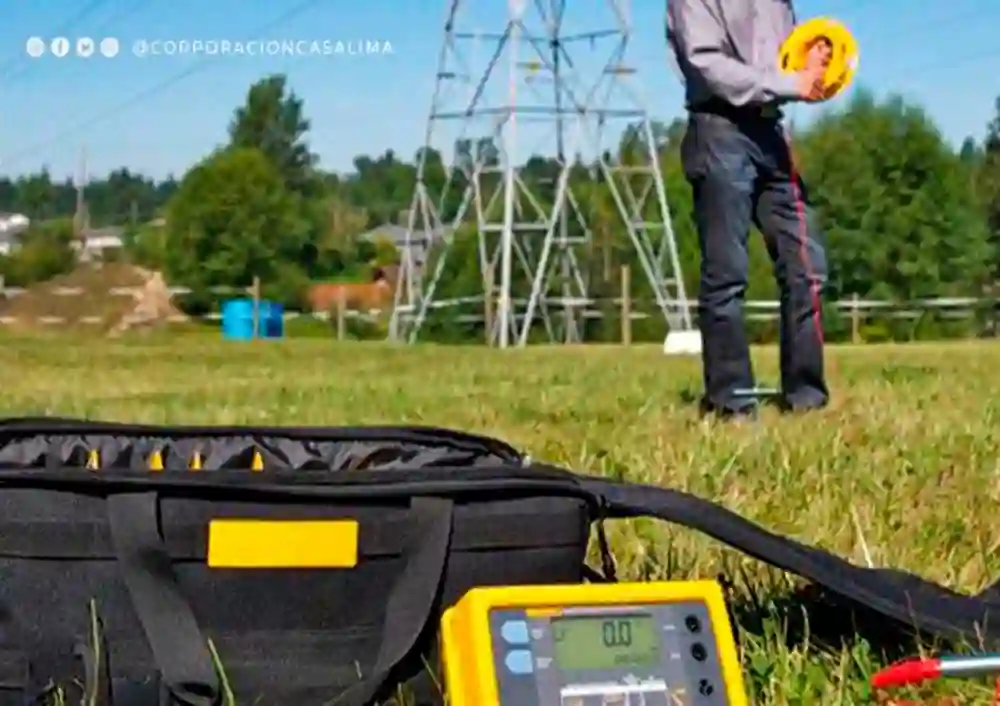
[605, 642]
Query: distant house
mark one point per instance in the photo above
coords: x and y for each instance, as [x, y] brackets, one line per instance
[99, 241]
[96, 241]
[11, 226]
[419, 243]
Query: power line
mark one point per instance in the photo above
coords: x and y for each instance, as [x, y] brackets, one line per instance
[118, 109]
[64, 29]
[116, 17]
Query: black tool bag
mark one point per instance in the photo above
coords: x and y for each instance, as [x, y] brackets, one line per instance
[105, 593]
[104, 587]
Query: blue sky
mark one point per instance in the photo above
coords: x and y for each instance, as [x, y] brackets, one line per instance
[945, 57]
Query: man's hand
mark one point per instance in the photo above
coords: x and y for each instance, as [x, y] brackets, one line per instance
[812, 86]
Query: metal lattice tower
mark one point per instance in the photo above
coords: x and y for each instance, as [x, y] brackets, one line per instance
[536, 84]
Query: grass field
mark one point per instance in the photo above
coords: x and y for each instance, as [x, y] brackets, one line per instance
[903, 463]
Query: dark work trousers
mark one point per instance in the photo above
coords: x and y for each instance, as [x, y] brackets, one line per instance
[742, 173]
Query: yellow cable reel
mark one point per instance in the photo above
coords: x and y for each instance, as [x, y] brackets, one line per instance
[844, 52]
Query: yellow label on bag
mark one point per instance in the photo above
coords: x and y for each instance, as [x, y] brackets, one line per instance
[282, 544]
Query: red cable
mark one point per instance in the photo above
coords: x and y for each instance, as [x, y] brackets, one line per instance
[915, 671]
[800, 209]
[911, 671]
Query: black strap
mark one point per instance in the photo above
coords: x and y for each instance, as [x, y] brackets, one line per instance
[912, 601]
[737, 114]
[179, 648]
[413, 599]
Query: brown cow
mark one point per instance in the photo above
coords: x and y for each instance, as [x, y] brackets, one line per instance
[353, 296]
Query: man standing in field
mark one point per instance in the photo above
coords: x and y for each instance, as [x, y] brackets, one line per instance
[738, 161]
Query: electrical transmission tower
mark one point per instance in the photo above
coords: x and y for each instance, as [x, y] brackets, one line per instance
[568, 98]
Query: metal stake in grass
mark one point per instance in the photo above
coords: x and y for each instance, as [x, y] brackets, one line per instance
[757, 394]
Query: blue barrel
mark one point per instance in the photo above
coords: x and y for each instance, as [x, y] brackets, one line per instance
[237, 320]
[272, 319]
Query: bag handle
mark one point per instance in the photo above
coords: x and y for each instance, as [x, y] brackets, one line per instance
[413, 599]
[179, 648]
[181, 651]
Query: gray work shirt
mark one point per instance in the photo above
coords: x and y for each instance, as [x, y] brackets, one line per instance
[728, 49]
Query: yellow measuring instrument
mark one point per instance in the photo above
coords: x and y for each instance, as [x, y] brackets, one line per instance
[667, 643]
[844, 51]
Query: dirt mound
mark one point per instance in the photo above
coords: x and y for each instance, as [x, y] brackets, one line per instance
[153, 307]
[106, 298]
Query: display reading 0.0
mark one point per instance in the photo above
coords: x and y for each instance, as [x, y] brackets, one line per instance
[605, 642]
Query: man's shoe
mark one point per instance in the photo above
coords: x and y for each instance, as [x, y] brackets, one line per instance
[788, 407]
[745, 411]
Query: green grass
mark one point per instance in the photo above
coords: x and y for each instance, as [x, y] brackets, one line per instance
[903, 465]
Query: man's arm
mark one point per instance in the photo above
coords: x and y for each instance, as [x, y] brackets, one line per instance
[700, 39]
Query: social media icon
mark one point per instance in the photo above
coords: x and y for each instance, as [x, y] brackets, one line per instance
[85, 47]
[60, 47]
[35, 46]
[109, 47]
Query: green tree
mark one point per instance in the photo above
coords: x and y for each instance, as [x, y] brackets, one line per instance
[233, 219]
[273, 121]
[119, 198]
[45, 251]
[894, 202]
[970, 152]
[146, 245]
[334, 251]
[988, 181]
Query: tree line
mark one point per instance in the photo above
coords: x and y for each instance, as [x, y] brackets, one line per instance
[904, 213]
